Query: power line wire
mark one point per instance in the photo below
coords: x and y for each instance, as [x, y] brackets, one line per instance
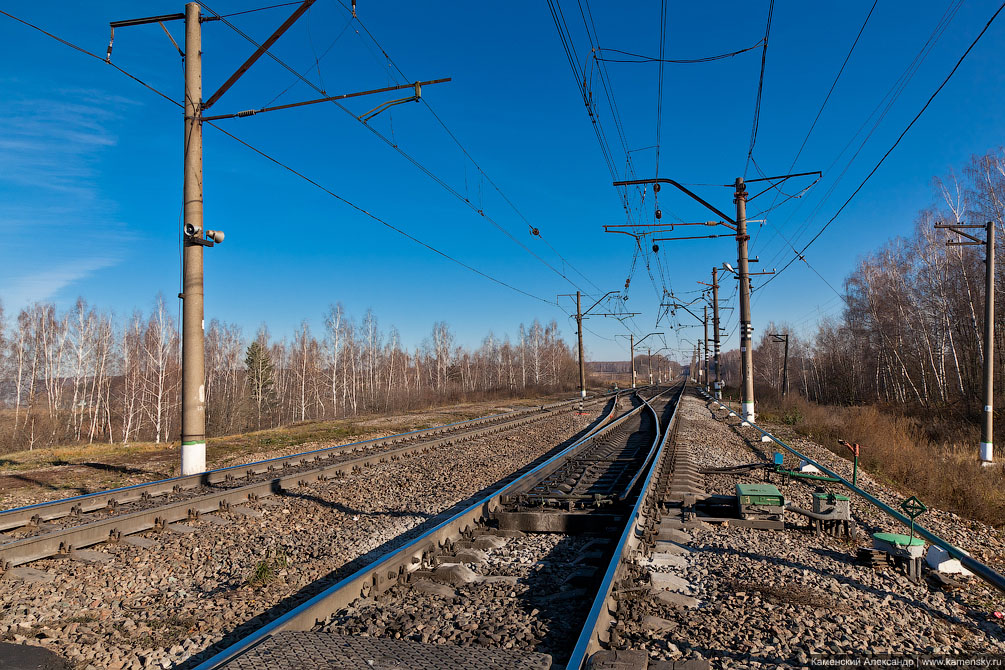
[286, 167]
[882, 109]
[894, 146]
[467, 154]
[760, 87]
[639, 58]
[394, 145]
[261, 9]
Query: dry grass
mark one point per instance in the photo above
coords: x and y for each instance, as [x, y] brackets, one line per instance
[218, 448]
[81, 468]
[900, 451]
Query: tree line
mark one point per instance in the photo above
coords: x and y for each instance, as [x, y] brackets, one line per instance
[81, 375]
[911, 331]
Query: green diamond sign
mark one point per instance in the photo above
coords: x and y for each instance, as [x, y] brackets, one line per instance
[913, 508]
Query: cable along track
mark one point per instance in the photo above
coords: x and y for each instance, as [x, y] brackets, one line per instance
[63, 526]
[388, 612]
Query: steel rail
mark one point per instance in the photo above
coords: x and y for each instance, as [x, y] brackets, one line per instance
[394, 567]
[18, 517]
[597, 625]
[985, 572]
[63, 541]
[652, 451]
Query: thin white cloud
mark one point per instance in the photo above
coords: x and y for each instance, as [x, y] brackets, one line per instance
[52, 145]
[46, 284]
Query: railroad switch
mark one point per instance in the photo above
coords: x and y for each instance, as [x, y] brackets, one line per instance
[902, 551]
[838, 508]
[761, 502]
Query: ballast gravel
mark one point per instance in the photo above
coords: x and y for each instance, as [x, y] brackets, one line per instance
[784, 599]
[172, 604]
[530, 594]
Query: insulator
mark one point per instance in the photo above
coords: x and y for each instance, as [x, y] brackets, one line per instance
[656, 248]
[656, 188]
[535, 231]
[659, 214]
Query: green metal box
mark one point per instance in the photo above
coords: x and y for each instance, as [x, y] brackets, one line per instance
[766, 495]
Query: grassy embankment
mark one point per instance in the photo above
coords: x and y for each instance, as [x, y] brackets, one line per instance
[79, 468]
[933, 457]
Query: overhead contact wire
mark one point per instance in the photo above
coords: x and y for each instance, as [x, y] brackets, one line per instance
[284, 166]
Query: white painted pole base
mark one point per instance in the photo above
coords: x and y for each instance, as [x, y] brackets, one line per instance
[582, 394]
[748, 412]
[193, 458]
[987, 452]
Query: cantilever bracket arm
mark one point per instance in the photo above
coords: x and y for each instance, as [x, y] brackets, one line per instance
[682, 306]
[955, 227]
[643, 339]
[297, 13]
[330, 98]
[598, 302]
[607, 229]
[391, 103]
[729, 222]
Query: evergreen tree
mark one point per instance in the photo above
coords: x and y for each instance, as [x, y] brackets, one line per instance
[261, 377]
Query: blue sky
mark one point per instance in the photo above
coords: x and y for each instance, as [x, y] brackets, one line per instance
[90, 193]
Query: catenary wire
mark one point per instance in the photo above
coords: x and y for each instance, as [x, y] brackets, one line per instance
[760, 87]
[882, 109]
[639, 58]
[393, 145]
[465, 151]
[894, 146]
[286, 167]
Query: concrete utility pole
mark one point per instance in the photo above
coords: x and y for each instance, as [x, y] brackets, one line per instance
[697, 362]
[707, 375]
[715, 331]
[650, 358]
[193, 389]
[631, 354]
[739, 227]
[193, 402]
[784, 337]
[746, 328]
[579, 332]
[580, 315]
[987, 452]
[987, 428]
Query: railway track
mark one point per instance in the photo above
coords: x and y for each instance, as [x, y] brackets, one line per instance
[554, 590]
[64, 526]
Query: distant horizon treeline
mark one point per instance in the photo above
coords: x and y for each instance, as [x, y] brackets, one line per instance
[82, 375]
[663, 368]
[912, 329]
